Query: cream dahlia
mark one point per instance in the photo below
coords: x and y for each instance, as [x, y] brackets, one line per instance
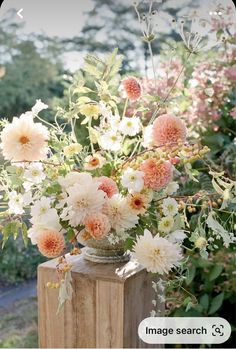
[156, 254]
[24, 140]
[168, 129]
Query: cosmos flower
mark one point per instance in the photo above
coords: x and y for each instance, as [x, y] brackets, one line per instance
[111, 140]
[138, 202]
[130, 126]
[166, 224]
[94, 161]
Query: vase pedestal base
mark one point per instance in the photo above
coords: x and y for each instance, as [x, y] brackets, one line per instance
[98, 256]
[109, 301]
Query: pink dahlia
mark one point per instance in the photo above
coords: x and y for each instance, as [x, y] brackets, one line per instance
[168, 129]
[108, 186]
[97, 225]
[51, 243]
[132, 88]
[156, 176]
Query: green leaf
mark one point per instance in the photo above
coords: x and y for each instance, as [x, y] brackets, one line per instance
[191, 275]
[216, 271]
[204, 301]
[217, 228]
[216, 303]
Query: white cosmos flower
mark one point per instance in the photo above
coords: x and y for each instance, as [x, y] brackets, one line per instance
[73, 178]
[15, 203]
[121, 216]
[111, 140]
[170, 207]
[34, 173]
[42, 213]
[24, 140]
[83, 200]
[166, 224]
[130, 126]
[147, 137]
[133, 180]
[171, 188]
[39, 106]
[156, 254]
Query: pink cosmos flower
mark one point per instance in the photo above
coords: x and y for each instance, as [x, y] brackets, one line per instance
[156, 176]
[168, 129]
[108, 186]
[132, 88]
[97, 225]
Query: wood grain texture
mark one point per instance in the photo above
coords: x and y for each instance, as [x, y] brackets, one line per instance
[108, 303]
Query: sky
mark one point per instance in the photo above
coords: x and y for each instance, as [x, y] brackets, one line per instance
[65, 18]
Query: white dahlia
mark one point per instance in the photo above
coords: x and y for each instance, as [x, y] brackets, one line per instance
[156, 254]
[83, 200]
[73, 178]
[121, 216]
[24, 140]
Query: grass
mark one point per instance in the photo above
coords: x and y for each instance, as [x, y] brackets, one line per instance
[18, 325]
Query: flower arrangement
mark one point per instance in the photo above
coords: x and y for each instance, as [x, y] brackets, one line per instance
[123, 190]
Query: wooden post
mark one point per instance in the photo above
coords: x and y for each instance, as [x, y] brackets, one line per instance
[109, 301]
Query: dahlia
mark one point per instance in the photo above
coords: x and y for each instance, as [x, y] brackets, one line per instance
[107, 185]
[156, 176]
[97, 225]
[121, 216]
[132, 88]
[168, 129]
[73, 178]
[24, 140]
[94, 161]
[138, 202]
[156, 254]
[83, 200]
[51, 243]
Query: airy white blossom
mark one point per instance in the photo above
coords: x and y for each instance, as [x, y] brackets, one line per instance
[43, 213]
[111, 140]
[72, 149]
[15, 203]
[82, 201]
[170, 207]
[34, 173]
[24, 140]
[39, 106]
[121, 216]
[166, 224]
[156, 254]
[73, 178]
[133, 180]
[147, 137]
[171, 188]
[177, 236]
[130, 126]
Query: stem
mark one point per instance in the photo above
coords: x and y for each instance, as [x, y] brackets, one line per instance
[90, 138]
[170, 91]
[153, 64]
[125, 107]
[45, 122]
[73, 130]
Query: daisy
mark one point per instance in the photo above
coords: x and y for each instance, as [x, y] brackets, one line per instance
[166, 224]
[111, 140]
[93, 162]
[39, 106]
[133, 180]
[83, 200]
[170, 207]
[130, 126]
[156, 254]
[24, 140]
[34, 173]
[121, 216]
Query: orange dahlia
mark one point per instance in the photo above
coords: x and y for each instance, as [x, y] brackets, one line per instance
[156, 176]
[132, 88]
[168, 129]
[51, 243]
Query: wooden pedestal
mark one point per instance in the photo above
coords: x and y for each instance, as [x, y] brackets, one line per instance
[109, 301]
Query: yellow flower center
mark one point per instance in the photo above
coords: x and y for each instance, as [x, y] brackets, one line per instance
[24, 140]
